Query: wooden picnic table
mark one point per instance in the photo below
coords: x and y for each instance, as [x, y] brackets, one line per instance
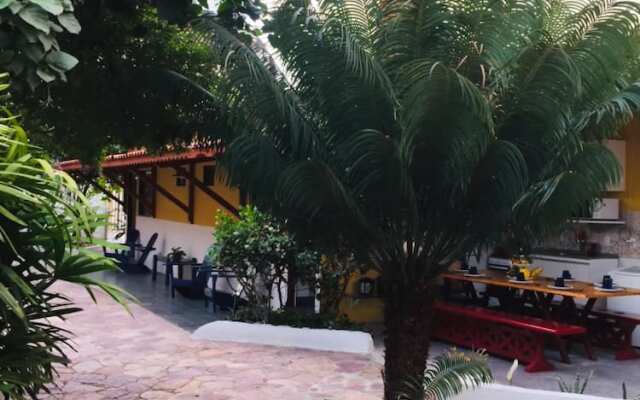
[539, 293]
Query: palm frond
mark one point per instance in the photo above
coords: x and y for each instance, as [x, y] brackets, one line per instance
[251, 81]
[449, 375]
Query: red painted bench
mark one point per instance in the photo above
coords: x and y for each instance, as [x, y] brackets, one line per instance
[609, 328]
[501, 334]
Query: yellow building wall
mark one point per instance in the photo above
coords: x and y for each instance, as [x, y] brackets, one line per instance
[205, 208]
[630, 198]
[358, 309]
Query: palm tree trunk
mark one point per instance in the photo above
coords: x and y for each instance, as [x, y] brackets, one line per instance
[292, 279]
[408, 316]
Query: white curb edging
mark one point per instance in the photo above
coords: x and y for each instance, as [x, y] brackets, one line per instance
[285, 336]
[503, 392]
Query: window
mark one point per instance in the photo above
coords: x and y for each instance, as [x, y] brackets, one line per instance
[181, 181]
[209, 175]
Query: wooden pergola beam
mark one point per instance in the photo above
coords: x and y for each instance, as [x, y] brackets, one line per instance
[190, 175]
[162, 191]
[120, 183]
[96, 185]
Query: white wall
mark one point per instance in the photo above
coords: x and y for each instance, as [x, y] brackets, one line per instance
[194, 239]
[502, 392]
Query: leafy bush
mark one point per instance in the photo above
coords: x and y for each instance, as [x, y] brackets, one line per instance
[28, 36]
[298, 319]
[44, 223]
[261, 254]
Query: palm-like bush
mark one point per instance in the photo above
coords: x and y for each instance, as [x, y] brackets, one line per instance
[44, 221]
[447, 376]
[415, 131]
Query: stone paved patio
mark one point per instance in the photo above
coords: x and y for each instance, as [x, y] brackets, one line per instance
[149, 357]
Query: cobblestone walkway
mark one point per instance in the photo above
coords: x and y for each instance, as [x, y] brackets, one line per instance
[147, 357]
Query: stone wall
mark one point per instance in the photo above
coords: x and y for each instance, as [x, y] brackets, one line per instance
[623, 240]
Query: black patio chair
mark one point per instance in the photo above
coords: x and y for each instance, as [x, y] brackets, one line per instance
[192, 288]
[132, 240]
[130, 264]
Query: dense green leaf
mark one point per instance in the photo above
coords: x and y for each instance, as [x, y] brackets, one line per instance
[36, 17]
[5, 3]
[61, 60]
[51, 6]
[69, 22]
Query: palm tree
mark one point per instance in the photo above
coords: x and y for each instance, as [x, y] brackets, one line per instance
[415, 131]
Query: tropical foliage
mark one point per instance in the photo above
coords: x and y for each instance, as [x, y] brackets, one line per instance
[128, 88]
[122, 90]
[44, 223]
[28, 36]
[262, 255]
[447, 376]
[414, 132]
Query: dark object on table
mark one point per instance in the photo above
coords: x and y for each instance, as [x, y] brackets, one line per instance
[566, 274]
[473, 270]
[520, 277]
[607, 282]
[464, 265]
[129, 263]
[559, 282]
[193, 287]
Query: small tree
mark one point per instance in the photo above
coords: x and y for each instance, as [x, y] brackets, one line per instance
[261, 254]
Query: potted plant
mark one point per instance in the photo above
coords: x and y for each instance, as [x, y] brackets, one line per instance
[176, 255]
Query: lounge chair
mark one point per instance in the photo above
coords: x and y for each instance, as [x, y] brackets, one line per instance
[132, 239]
[129, 263]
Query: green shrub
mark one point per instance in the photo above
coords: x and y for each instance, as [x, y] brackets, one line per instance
[298, 319]
[44, 224]
[262, 255]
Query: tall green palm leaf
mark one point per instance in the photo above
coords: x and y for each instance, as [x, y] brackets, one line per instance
[45, 222]
[447, 376]
[417, 131]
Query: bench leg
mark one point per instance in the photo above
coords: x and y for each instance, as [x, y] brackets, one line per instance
[626, 350]
[588, 348]
[562, 349]
[539, 363]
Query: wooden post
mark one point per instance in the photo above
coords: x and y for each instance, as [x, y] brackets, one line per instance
[154, 177]
[130, 209]
[192, 198]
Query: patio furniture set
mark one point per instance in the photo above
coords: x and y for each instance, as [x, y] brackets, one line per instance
[516, 319]
[201, 282]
